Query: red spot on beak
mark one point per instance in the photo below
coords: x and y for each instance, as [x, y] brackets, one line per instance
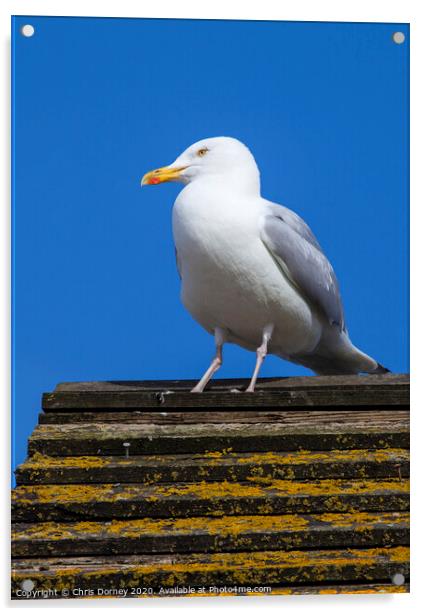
[154, 181]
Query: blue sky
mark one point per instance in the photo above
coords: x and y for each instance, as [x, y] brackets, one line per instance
[97, 102]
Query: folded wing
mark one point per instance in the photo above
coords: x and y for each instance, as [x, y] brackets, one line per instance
[296, 251]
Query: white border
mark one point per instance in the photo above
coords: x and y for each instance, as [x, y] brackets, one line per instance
[411, 11]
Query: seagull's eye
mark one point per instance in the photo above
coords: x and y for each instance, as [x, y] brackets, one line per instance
[202, 151]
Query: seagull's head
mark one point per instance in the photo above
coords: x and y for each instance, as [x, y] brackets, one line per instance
[222, 159]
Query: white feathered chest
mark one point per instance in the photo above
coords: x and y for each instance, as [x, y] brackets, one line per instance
[228, 277]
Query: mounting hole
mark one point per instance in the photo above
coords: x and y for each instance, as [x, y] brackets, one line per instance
[27, 585]
[398, 579]
[27, 30]
[398, 38]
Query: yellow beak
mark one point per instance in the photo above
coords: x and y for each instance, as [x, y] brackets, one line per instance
[164, 174]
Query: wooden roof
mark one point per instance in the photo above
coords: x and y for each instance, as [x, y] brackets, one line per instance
[302, 487]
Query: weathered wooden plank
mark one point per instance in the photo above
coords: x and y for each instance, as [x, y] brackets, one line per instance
[339, 589]
[320, 589]
[299, 382]
[108, 439]
[391, 396]
[215, 466]
[106, 501]
[210, 570]
[220, 591]
[172, 417]
[226, 534]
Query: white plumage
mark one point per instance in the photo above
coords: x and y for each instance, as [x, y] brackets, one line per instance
[252, 271]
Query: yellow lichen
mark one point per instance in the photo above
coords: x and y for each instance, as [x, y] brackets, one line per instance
[205, 490]
[243, 567]
[40, 461]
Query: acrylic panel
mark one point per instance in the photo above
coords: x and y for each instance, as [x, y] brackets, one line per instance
[96, 104]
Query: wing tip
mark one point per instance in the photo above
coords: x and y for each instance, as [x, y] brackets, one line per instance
[380, 369]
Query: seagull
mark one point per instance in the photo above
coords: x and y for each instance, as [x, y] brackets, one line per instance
[252, 272]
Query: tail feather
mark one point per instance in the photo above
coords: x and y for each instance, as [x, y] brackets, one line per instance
[337, 355]
[328, 366]
[380, 370]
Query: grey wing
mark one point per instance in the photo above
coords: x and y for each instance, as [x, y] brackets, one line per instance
[295, 222]
[178, 263]
[298, 254]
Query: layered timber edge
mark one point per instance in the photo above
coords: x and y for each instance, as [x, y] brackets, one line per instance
[387, 390]
[142, 489]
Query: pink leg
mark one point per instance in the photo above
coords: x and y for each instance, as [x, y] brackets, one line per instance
[261, 352]
[215, 365]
